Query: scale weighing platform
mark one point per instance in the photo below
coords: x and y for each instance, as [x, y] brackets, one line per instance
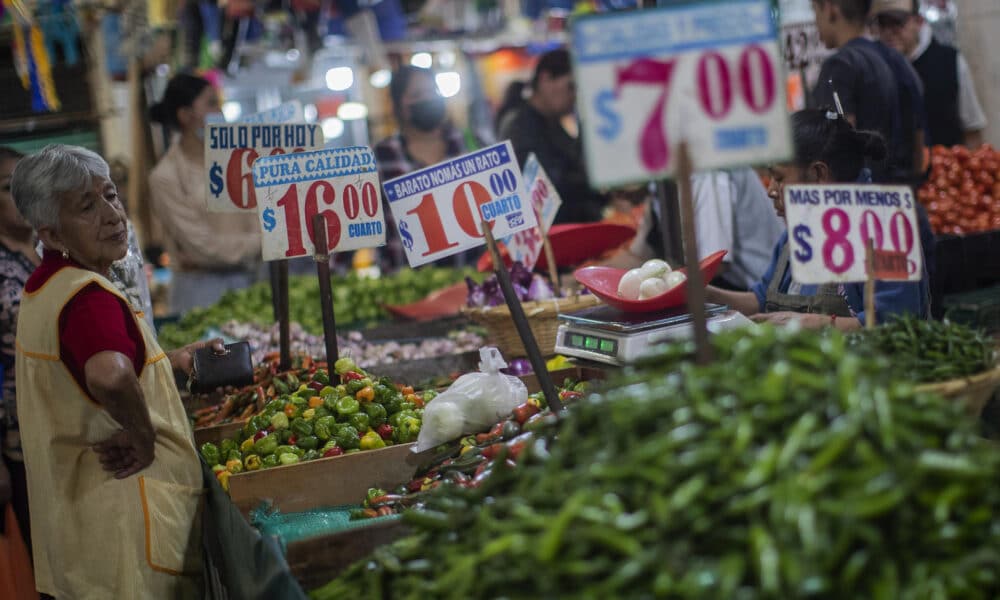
[606, 334]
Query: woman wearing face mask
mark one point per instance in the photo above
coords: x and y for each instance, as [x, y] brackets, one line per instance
[425, 136]
[827, 150]
[211, 252]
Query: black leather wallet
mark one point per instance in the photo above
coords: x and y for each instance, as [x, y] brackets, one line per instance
[213, 370]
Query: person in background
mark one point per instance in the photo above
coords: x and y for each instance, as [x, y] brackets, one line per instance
[106, 441]
[211, 253]
[426, 136]
[17, 261]
[731, 213]
[877, 88]
[534, 126]
[827, 150]
[954, 115]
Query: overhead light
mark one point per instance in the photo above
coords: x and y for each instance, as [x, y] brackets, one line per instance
[380, 78]
[339, 79]
[163, 70]
[333, 128]
[422, 60]
[447, 59]
[310, 113]
[292, 55]
[232, 111]
[350, 111]
[448, 83]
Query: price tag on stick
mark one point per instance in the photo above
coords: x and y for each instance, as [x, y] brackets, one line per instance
[707, 74]
[830, 227]
[230, 152]
[438, 209]
[526, 246]
[339, 183]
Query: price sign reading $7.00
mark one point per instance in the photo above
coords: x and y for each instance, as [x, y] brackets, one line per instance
[707, 74]
[438, 209]
[339, 183]
[230, 152]
[829, 228]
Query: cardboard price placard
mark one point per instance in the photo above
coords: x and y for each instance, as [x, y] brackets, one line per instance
[230, 152]
[339, 183]
[438, 209]
[526, 246]
[830, 226]
[707, 74]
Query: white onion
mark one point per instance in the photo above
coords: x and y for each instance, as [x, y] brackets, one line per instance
[654, 267]
[654, 286]
[674, 279]
[628, 287]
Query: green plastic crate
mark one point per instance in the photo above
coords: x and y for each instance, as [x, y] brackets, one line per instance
[979, 309]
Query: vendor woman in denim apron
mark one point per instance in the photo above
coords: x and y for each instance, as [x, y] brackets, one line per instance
[827, 150]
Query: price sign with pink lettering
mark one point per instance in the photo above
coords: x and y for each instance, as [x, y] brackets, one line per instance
[526, 246]
[707, 74]
[829, 227]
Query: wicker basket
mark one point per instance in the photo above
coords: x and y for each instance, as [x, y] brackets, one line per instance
[974, 391]
[542, 317]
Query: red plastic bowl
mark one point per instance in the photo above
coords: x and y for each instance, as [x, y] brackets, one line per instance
[441, 303]
[572, 244]
[603, 283]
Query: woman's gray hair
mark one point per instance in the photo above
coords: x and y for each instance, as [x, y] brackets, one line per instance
[40, 179]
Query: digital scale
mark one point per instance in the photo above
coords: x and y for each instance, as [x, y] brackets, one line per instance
[606, 334]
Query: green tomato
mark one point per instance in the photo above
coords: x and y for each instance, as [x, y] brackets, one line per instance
[270, 461]
[309, 442]
[288, 459]
[359, 421]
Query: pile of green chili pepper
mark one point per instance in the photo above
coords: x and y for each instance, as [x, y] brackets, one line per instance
[928, 351]
[789, 468]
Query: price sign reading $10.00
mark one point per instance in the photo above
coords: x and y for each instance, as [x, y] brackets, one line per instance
[707, 74]
[829, 228]
[339, 183]
[230, 152]
[438, 209]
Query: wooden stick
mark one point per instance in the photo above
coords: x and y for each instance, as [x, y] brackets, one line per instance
[284, 341]
[870, 286]
[695, 278]
[325, 289]
[521, 323]
[550, 259]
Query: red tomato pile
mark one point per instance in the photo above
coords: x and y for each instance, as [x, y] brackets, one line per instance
[962, 194]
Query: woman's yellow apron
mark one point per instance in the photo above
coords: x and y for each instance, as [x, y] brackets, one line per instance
[96, 536]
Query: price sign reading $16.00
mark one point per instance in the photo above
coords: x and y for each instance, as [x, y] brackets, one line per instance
[707, 74]
[339, 183]
[526, 246]
[230, 152]
[829, 227]
[438, 209]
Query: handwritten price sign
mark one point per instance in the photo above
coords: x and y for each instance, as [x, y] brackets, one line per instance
[438, 209]
[339, 183]
[830, 226]
[230, 152]
[526, 246]
[706, 74]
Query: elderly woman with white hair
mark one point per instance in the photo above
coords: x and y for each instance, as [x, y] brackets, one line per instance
[107, 446]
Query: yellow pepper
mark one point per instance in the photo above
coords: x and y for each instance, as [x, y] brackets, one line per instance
[315, 402]
[365, 394]
[247, 445]
[252, 462]
[234, 466]
[223, 477]
[309, 414]
[371, 441]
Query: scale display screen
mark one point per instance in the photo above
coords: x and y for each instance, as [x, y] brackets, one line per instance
[592, 343]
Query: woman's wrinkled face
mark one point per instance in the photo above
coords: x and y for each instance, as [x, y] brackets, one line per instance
[92, 225]
[10, 219]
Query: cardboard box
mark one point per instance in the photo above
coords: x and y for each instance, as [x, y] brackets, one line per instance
[325, 481]
[316, 561]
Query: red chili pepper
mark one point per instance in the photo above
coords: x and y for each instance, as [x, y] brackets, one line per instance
[415, 485]
[491, 451]
[260, 434]
[482, 437]
[569, 395]
[292, 440]
[333, 451]
[351, 376]
[384, 431]
[497, 430]
[524, 412]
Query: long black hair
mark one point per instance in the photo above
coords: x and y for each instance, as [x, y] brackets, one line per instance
[823, 135]
[182, 90]
[555, 63]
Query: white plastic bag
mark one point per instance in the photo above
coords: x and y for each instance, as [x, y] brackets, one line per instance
[474, 403]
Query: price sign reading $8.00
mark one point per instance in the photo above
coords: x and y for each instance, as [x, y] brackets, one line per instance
[829, 228]
[230, 152]
[339, 183]
[438, 209]
[707, 74]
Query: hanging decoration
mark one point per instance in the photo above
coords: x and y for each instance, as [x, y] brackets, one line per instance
[59, 24]
[31, 58]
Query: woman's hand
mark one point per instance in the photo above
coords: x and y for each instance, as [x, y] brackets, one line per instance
[125, 453]
[782, 318]
[182, 360]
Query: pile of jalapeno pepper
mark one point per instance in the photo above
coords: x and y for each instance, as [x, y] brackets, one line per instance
[467, 462]
[321, 419]
[929, 351]
[789, 468]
